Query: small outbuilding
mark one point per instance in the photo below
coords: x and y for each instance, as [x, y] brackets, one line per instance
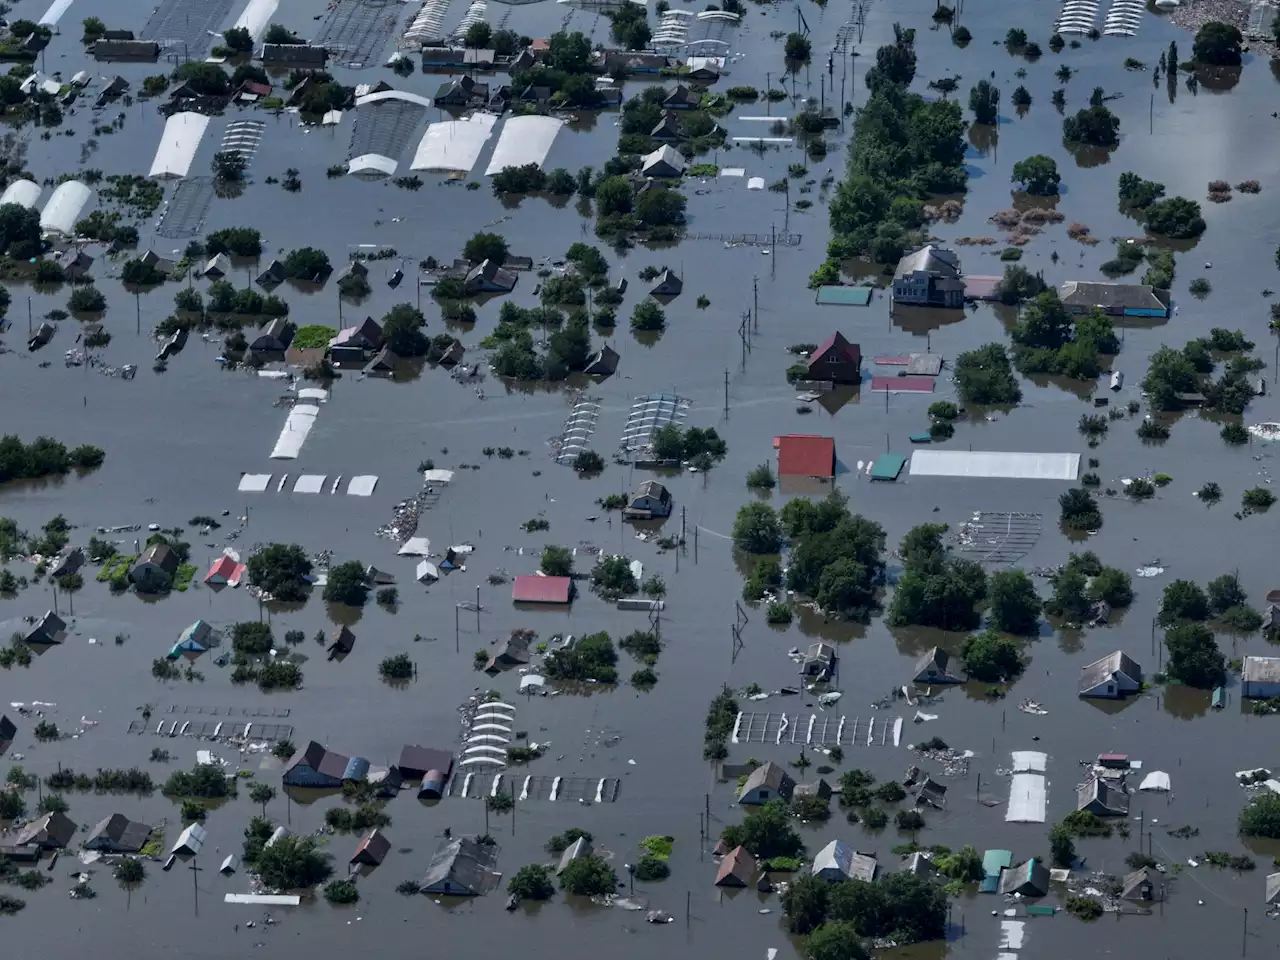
[372, 851]
[819, 661]
[48, 630]
[737, 868]
[275, 337]
[1113, 677]
[153, 572]
[190, 841]
[933, 793]
[668, 285]
[935, 669]
[341, 642]
[75, 263]
[415, 761]
[1102, 798]
[217, 267]
[769, 781]
[918, 864]
[651, 499]
[1030, 879]
[69, 561]
[297, 56]
[225, 571]
[806, 455]
[602, 363]
[1143, 886]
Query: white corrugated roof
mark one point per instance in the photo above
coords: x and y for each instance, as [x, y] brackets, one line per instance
[1027, 800]
[455, 144]
[371, 165]
[256, 16]
[178, 144]
[988, 464]
[64, 207]
[524, 140]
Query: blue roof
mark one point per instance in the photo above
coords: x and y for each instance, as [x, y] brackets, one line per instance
[357, 769]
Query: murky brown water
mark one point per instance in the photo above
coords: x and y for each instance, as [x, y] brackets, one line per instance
[176, 444]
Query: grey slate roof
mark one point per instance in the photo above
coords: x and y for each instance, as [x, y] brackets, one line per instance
[1261, 670]
[929, 259]
[1099, 792]
[1100, 671]
[769, 775]
[460, 867]
[579, 848]
[1135, 296]
[117, 833]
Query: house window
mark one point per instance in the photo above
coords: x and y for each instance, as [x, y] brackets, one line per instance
[764, 794]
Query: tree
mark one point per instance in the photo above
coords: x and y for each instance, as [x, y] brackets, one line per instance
[478, 35]
[1176, 217]
[964, 865]
[613, 197]
[237, 241]
[647, 317]
[1079, 509]
[1226, 592]
[276, 33]
[1012, 602]
[985, 376]
[94, 28]
[505, 42]
[1194, 657]
[588, 876]
[19, 230]
[485, 246]
[1061, 845]
[402, 331]
[262, 794]
[87, 299]
[1138, 193]
[629, 27]
[306, 263]
[835, 941]
[206, 79]
[661, 208]
[229, 166]
[292, 862]
[1018, 284]
[936, 590]
[797, 49]
[766, 832]
[1217, 44]
[1261, 818]
[991, 657]
[341, 891]
[568, 52]
[1038, 175]
[347, 584]
[1183, 600]
[1111, 586]
[130, 872]
[844, 587]
[279, 570]
[895, 65]
[1096, 126]
[1069, 601]
[532, 882]
[557, 561]
[756, 529]
[805, 903]
[984, 101]
[238, 40]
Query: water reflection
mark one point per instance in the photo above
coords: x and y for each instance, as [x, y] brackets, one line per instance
[1184, 703]
[1087, 156]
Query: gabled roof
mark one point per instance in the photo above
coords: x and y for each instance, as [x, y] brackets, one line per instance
[806, 455]
[119, 833]
[224, 569]
[50, 628]
[941, 659]
[1099, 792]
[52, 831]
[603, 362]
[654, 489]
[384, 362]
[530, 588]
[160, 555]
[1131, 296]
[1100, 671]
[929, 259]
[321, 759]
[373, 848]
[1031, 879]
[342, 639]
[461, 866]
[1134, 885]
[736, 868]
[576, 850]
[666, 157]
[682, 96]
[769, 775]
[842, 858]
[843, 347]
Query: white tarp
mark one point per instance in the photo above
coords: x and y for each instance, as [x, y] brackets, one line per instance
[1029, 761]
[25, 193]
[1027, 799]
[256, 16]
[178, 144]
[299, 423]
[1156, 780]
[318, 394]
[454, 145]
[264, 899]
[524, 140]
[755, 183]
[64, 207]
[254, 482]
[427, 571]
[371, 165]
[362, 486]
[437, 476]
[55, 12]
[309, 483]
[988, 464]
[415, 547]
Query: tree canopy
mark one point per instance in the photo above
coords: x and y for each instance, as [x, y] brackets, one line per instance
[347, 584]
[1261, 817]
[1094, 126]
[766, 832]
[935, 589]
[757, 529]
[1194, 657]
[1038, 175]
[1217, 44]
[1079, 509]
[1012, 602]
[588, 876]
[985, 376]
[402, 327]
[984, 101]
[292, 862]
[1175, 217]
[991, 657]
[823, 534]
[1047, 339]
[1183, 600]
[279, 569]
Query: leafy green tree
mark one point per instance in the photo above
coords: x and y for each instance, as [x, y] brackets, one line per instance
[1138, 193]
[661, 208]
[964, 865]
[402, 331]
[568, 52]
[292, 862]
[1012, 602]
[588, 876]
[1038, 175]
[238, 39]
[1079, 509]
[485, 246]
[934, 589]
[984, 101]
[991, 657]
[1068, 601]
[805, 903]
[766, 832]
[532, 882]
[19, 230]
[1217, 44]
[280, 570]
[985, 376]
[1226, 592]
[229, 166]
[648, 316]
[1175, 217]
[1112, 586]
[797, 49]
[1183, 600]
[1261, 818]
[479, 35]
[1062, 847]
[277, 33]
[557, 561]
[835, 941]
[1194, 657]
[262, 794]
[1096, 126]
[613, 196]
[844, 587]
[347, 584]
[206, 79]
[756, 529]
[306, 263]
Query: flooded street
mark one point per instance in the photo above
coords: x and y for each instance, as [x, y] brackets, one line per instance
[178, 442]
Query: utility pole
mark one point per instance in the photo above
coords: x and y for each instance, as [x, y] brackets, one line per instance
[726, 402]
[137, 304]
[29, 317]
[755, 306]
[195, 886]
[477, 609]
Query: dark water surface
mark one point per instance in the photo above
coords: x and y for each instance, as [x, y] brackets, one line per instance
[176, 444]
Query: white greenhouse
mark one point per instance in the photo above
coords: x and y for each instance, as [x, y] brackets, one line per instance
[178, 145]
[64, 207]
[454, 145]
[524, 140]
[25, 193]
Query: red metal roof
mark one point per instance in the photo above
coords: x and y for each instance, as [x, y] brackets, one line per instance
[837, 340]
[902, 384]
[224, 570]
[529, 588]
[806, 455]
[885, 361]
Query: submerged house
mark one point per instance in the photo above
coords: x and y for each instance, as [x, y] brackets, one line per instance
[1102, 798]
[53, 831]
[218, 266]
[806, 455]
[819, 661]
[48, 630]
[461, 867]
[512, 654]
[489, 277]
[353, 344]
[1030, 879]
[275, 337]
[153, 572]
[935, 668]
[1143, 886]
[930, 277]
[118, 834]
[651, 499]
[316, 766]
[575, 851]
[416, 762]
[769, 781]
[384, 364]
[194, 639]
[372, 851]
[663, 162]
[682, 98]
[668, 285]
[75, 263]
[341, 642]
[838, 861]
[296, 56]
[737, 867]
[1114, 299]
[1260, 678]
[602, 363]
[836, 360]
[1111, 678]
[138, 51]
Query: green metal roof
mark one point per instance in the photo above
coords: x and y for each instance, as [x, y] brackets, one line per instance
[993, 861]
[842, 296]
[887, 466]
[924, 437]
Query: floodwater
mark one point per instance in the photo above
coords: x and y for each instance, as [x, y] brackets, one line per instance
[177, 443]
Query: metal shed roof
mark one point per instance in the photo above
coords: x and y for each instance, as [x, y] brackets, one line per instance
[178, 145]
[524, 140]
[989, 464]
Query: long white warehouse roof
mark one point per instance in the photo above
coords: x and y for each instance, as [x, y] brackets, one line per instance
[454, 144]
[25, 193]
[257, 14]
[524, 140]
[178, 145]
[64, 207]
[1013, 466]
